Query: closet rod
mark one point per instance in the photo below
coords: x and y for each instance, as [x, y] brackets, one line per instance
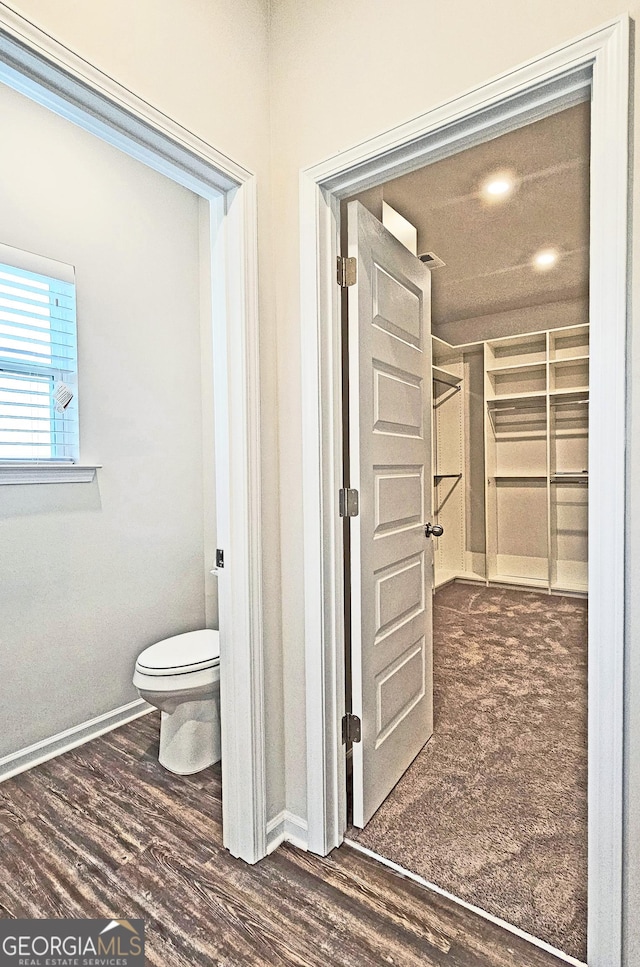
[569, 402]
[445, 382]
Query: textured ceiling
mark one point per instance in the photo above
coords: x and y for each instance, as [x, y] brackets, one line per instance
[488, 247]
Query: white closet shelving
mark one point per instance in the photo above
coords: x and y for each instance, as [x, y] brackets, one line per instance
[536, 402]
[448, 460]
[536, 435]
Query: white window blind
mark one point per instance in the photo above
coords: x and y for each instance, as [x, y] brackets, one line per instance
[38, 359]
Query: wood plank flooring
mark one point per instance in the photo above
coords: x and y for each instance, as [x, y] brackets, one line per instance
[104, 831]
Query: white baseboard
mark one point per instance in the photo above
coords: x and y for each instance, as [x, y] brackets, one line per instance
[459, 577]
[286, 828]
[33, 755]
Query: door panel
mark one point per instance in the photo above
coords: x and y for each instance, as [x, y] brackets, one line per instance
[400, 591]
[390, 457]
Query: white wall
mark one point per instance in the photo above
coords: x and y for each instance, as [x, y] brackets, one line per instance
[346, 70]
[204, 64]
[91, 574]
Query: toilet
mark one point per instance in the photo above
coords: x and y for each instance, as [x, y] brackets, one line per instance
[181, 677]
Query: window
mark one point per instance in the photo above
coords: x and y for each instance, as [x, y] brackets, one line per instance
[38, 360]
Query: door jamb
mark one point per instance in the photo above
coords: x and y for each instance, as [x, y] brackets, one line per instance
[599, 61]
[36, 65]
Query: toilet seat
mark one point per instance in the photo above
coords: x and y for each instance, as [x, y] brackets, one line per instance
[186, 654]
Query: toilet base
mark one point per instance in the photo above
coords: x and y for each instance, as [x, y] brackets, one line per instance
[190, 736]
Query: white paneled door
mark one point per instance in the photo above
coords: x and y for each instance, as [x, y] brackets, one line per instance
[390, 465]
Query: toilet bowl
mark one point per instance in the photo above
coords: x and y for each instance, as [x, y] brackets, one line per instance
[181, 677]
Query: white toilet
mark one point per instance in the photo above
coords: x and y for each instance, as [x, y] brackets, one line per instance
[181, 677]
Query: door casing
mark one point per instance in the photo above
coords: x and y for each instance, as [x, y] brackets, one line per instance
[595, 65]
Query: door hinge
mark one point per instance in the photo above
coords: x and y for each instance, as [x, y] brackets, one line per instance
[348, 502]
[347, 271]
[351, 728]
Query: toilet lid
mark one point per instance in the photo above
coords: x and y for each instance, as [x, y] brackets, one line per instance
[180, 654]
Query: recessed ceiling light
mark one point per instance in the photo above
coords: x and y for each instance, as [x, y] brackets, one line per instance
[546, 258]
[499, 186]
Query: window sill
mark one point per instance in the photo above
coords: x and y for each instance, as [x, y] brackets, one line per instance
[42, 473]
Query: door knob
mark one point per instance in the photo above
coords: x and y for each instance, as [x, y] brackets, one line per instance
[433, 530]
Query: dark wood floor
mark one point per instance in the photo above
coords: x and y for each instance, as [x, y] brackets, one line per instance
[104, 831]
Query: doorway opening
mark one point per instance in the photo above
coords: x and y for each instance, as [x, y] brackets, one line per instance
[487, 796]
[34, 64]
[598, 63]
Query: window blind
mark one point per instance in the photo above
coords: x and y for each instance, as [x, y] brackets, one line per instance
[38, 363]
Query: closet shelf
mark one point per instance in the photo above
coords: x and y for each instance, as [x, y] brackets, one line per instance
[578, 394]
[516, 368]
[519, 476]
[515, 397]
[569, 359]
[442, 476]
[444, 376]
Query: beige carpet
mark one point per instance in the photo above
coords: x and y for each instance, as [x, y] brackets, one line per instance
[494, 807]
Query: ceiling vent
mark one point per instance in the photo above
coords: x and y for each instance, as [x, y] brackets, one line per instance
[431, 260]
